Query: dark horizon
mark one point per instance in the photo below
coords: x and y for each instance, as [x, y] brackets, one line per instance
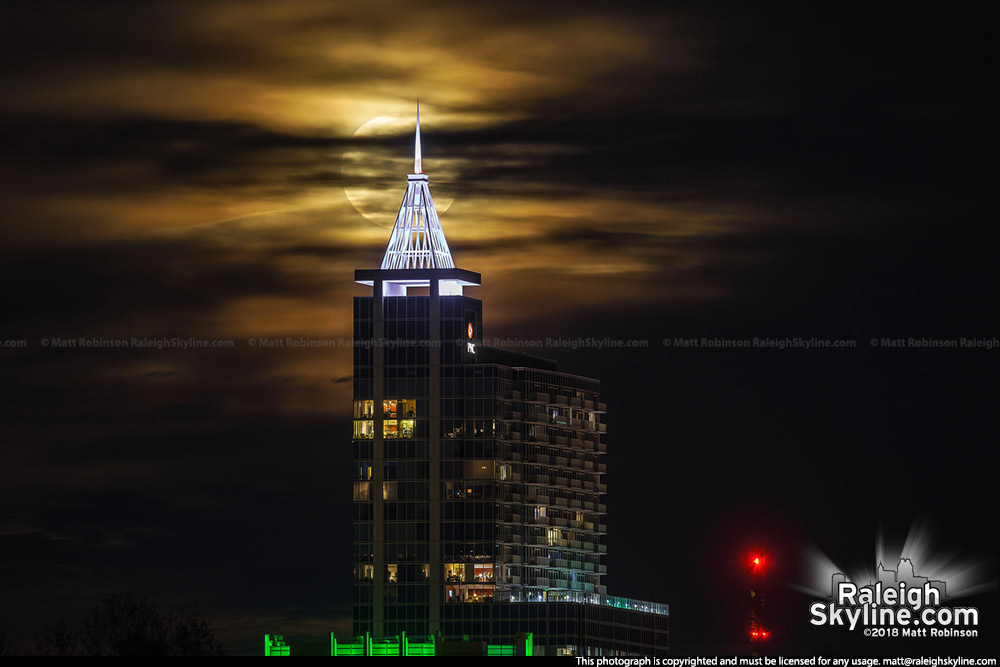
[218, 170]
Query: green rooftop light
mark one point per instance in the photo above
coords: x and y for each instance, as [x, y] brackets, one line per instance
[401, 646]
[275, 645]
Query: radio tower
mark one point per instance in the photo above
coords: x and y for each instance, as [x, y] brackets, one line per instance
[756, 629]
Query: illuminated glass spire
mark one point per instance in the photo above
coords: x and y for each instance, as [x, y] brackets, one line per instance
[417, 240]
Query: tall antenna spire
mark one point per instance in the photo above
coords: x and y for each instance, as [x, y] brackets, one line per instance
[417, 240]
[417, 168]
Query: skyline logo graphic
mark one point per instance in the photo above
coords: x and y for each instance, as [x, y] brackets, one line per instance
[894, 603]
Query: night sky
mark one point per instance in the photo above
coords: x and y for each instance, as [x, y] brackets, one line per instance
[217, 170]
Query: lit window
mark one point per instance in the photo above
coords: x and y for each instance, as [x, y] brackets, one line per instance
[364, 429]
[394, 408]
[454, 572]
[479, 469]
[364, 409]
[469, 593]
[399, 428]
[484, 572]
[478, 593]
[362, 490]
[391, 573]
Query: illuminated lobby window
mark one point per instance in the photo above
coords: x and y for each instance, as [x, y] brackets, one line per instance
[364, 409]
[364, 429]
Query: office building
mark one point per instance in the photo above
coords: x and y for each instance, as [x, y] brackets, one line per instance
[478, 472]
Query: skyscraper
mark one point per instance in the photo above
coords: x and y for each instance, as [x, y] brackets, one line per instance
[478, 494]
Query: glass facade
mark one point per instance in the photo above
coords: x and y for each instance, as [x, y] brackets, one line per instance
[392, 462]
[477, 471]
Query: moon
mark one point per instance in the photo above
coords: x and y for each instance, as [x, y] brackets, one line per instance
[374, 168]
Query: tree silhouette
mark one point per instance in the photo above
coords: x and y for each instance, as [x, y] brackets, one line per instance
[191, 634]
[5, 648]
[59, 639]
[122, 625]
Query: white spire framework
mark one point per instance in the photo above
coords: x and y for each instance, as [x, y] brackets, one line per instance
[417, 240]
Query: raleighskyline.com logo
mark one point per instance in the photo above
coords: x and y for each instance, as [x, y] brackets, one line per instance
[898, 604]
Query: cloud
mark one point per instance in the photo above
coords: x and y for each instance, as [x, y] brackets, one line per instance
[160, 374]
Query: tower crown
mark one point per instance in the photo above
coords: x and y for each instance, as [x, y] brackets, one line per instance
[417, 240]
